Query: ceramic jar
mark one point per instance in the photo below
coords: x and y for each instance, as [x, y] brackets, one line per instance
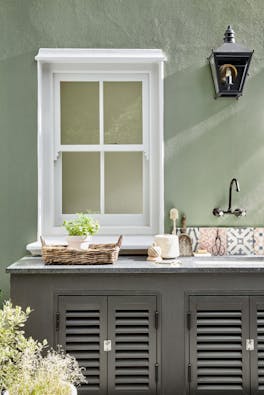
[169, 245]
[77, 241]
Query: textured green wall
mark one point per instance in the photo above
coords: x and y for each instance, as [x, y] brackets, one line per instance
[207, 141]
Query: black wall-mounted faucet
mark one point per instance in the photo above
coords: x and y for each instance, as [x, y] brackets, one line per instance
[238, 212]
[233, 182]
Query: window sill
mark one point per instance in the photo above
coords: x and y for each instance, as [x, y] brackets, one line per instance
[130, 243]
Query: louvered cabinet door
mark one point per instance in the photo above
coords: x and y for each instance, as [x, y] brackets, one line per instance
[82, 331]
[132, 360]
[219, 362]
[257, 334]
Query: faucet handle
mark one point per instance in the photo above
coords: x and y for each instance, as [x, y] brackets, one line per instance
[244, 212]
[218, 212]
[240, 212]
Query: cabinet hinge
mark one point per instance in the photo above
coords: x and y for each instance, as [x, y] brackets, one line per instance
[57, 323]
[189, 373]
[156, 319]
[156, 372]
[189, 320]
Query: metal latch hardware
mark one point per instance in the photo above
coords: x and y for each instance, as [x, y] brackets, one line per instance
[250, 344]
[107, 345]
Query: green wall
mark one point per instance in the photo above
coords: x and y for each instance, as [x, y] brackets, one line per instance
[207, 141]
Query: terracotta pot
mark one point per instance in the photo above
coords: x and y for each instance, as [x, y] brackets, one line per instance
[77, 241]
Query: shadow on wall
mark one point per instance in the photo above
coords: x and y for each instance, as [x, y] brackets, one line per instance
[188, 99]
[212, 141]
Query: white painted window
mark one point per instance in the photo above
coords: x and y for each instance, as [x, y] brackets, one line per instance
[100, 139]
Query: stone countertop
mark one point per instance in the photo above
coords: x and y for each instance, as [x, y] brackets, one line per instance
[139, 265]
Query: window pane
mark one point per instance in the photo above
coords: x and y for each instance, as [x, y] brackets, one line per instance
[123, 112]
[79, 112]
[123, 183]
[80, 182]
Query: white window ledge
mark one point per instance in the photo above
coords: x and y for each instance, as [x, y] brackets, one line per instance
[104, 55]
[129, 243]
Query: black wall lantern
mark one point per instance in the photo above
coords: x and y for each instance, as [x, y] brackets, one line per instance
[229, 65]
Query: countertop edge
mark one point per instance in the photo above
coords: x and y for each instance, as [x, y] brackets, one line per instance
[139, 265]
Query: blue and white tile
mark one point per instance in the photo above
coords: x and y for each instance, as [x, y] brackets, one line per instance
[240, 241]
[194, 234]
[259, 241]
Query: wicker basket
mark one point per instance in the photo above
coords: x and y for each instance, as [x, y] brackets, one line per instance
[97, 254]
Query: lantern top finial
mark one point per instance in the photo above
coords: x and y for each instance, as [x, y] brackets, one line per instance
[229, 35]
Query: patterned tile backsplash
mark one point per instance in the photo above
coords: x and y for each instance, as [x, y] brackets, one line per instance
[240, 241]
[209, 241]
[227, 241]
[194, 235]
[259, 241]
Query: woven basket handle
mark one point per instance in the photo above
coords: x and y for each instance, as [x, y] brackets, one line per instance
[119, 242]
[43, 243]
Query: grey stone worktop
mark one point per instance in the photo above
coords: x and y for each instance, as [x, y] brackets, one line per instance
[138, 264]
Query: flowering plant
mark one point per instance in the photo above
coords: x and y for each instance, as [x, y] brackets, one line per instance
[24, 370]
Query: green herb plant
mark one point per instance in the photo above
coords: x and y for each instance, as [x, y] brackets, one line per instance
[24, 370]
[83, 225]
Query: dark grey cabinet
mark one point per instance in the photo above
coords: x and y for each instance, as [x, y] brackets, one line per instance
[114, 338]
[226, 345]
[97, 304]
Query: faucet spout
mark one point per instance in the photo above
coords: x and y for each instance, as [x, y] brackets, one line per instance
[233, 181]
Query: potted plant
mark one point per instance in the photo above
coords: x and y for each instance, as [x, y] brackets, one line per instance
[24, 370]
[80, 229]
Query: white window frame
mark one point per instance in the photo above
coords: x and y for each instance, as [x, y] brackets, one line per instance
[55, 65]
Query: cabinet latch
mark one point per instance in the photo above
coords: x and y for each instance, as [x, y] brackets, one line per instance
[107, 345]
[250, 344]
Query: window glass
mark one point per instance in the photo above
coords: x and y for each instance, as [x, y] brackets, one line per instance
[79, 112]
[123, 182]
[123, 112]
[80, 182]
